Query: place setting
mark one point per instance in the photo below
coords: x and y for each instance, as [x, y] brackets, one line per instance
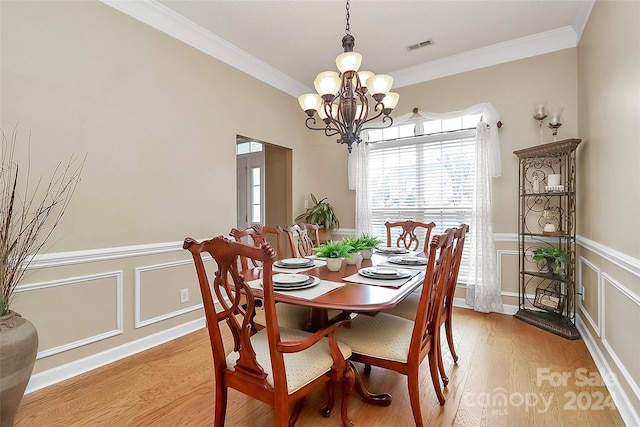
[293, 282]
[295, 265]
[382, 276]
[390, 250]
[406, 261]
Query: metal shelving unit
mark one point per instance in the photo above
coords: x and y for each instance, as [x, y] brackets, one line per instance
[546, 219]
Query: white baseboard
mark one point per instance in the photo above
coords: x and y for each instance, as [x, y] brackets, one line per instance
[619, 397]
[69, 370]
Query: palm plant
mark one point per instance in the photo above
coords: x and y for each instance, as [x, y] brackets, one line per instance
[321, 213]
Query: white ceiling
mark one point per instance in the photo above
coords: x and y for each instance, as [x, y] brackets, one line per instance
[286, 43]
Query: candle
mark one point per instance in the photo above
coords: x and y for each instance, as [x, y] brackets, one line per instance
[553, 180]
[554, 119]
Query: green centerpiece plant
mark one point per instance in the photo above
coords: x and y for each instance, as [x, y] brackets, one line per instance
[334, 252]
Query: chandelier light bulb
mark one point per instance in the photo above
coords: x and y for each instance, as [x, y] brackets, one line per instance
[391, 100]
[310, 101]
[379, 84]
[327, 83]
[348, 61]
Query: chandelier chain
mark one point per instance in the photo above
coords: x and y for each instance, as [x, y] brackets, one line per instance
[347, 29]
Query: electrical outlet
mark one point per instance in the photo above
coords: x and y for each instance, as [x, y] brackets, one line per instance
[582, 289]
[184, 295]
[306, 203]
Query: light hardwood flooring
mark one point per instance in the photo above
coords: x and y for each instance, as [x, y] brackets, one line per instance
[509, 374]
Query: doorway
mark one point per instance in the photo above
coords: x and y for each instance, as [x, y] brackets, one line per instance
[264, 183]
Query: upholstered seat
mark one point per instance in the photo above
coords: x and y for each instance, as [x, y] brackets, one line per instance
[302, 367]
[291, 316]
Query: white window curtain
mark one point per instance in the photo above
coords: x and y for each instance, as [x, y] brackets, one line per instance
[483, 288]
[359, 181]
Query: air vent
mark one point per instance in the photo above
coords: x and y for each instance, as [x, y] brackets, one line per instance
[420, 45]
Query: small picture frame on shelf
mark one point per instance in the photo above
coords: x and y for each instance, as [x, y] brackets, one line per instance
[549, 300]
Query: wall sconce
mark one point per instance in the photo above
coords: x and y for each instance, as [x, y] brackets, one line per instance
[555, 118]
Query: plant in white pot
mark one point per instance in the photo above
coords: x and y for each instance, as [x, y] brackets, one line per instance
[354, 252]
[29, 212]
[334, 252]
[367, 244]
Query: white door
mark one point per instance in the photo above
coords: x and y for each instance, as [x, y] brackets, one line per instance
[250, 179]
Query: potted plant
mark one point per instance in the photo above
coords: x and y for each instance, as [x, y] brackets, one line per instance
[354, 252]
[367, 244]
[28, 216]
[334, 252]
[553, 258]
[323, 214]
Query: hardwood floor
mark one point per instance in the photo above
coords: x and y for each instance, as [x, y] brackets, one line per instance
[509, 374]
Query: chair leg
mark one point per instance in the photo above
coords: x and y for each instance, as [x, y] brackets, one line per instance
[294, 413]
[413, 383]
[220, 410]
[443, 374]
[348, 381]
[326, 411]
[435, 378]
[449, 332]
[367, 369]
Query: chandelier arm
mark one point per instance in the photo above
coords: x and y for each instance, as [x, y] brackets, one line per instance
[384, 120]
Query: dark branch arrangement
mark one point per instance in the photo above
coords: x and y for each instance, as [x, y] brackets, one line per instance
[28, 214]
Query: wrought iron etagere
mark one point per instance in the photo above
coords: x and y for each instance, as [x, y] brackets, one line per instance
[547, 293]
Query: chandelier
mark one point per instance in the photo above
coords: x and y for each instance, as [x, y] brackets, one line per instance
[342, 103]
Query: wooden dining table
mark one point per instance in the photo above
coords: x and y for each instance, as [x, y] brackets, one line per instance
[351, 298]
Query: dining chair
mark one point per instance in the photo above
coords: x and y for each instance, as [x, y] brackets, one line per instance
[407, 234]
[303, 238]
[278, 365]
[408, 307]
[258, 234]
[399, 344]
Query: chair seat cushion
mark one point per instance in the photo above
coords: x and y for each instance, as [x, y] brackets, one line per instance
[302, 367]
[291, 316]
[407, 308]
[382, 336]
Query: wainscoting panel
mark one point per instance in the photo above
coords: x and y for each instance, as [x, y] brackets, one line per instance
[589, 293]
[158, 290]
[621, 317]
[47, 305]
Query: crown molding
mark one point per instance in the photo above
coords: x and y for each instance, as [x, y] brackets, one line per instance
[167, 21]
[524, 47]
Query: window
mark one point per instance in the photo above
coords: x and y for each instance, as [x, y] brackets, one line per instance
[424, 178]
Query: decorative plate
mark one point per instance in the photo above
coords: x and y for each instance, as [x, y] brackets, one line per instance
[384, 273]
[408, 260]
[287, 279]
[294, 263]
[392, 250]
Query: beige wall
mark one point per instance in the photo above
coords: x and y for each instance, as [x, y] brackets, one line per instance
[608, 179]
[157, 121]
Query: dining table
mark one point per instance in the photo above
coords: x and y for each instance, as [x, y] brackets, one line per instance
[348, 291]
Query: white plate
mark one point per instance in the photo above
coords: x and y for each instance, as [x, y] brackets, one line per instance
[383, 271]
[284, 278]
[313, 281]
[295, 261]
[408, 260]
[392, 250]
[372, 273]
